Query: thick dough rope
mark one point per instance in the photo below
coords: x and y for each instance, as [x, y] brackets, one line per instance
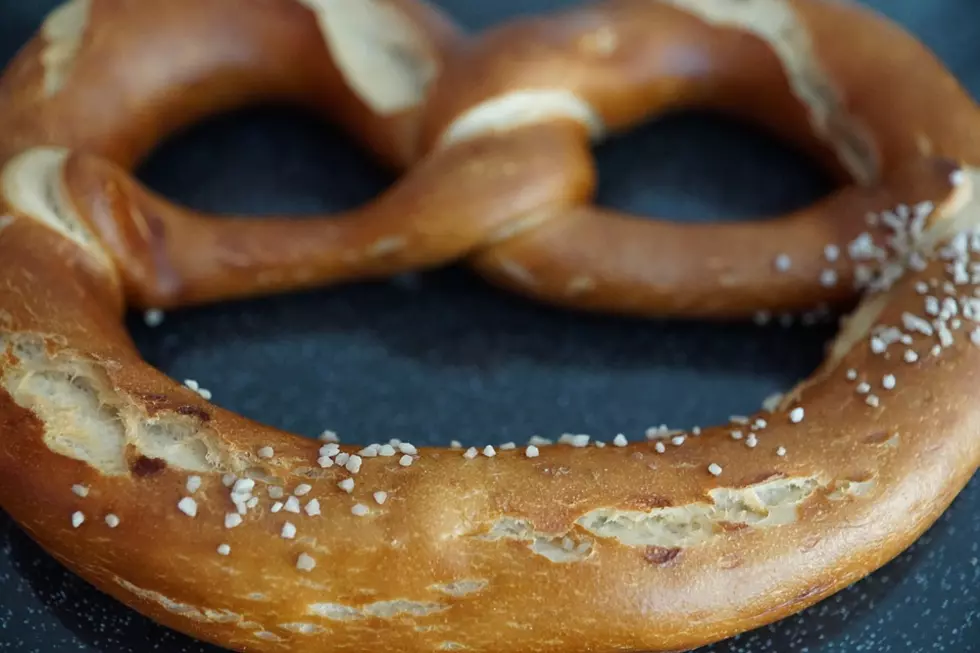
[104, 81]
[854, 90]
[274, 542]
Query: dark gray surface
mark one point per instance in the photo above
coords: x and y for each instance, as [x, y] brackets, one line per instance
[441, 355]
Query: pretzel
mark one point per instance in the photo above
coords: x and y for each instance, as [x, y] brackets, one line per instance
[257, 540]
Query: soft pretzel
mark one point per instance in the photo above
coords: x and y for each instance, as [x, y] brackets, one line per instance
[258, 540]
[851, 88]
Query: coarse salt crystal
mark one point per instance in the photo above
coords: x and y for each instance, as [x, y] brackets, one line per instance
[188, 506]
[305, 562]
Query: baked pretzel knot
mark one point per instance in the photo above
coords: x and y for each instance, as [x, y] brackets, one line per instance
[858, 93]
[262, 541]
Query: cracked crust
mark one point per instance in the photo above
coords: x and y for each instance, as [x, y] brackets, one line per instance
[385, 58]
[777, 23]
[278, 543]
[847, 86]
[63, 32]
[633, 543]
[503, 177]
[365, 65]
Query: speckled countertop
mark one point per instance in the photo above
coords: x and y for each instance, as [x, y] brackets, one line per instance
[442, 356]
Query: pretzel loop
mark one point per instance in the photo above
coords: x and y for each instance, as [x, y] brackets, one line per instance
[366, 65]
[882, 124]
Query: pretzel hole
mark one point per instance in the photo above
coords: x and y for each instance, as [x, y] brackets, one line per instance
[702, 166]
[255, 158]
[454, 359]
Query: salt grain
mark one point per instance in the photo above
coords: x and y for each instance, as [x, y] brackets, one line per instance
[188, 506]
[828, 278]
[153, 317]
[305, 562]
[328, 436]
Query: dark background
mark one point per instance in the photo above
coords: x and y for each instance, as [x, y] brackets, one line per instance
[442, 356]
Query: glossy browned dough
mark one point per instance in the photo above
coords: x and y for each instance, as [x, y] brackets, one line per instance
[887, 106]
[652, 546]
[512, 199]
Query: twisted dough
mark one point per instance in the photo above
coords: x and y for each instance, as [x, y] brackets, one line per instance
[503, 174]
[257, 540]
[855, 91]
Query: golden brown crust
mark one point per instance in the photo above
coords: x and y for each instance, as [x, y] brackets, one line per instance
[847, 86]
[235, 53]
[881, 111]
[463, 550]
[278, 543]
